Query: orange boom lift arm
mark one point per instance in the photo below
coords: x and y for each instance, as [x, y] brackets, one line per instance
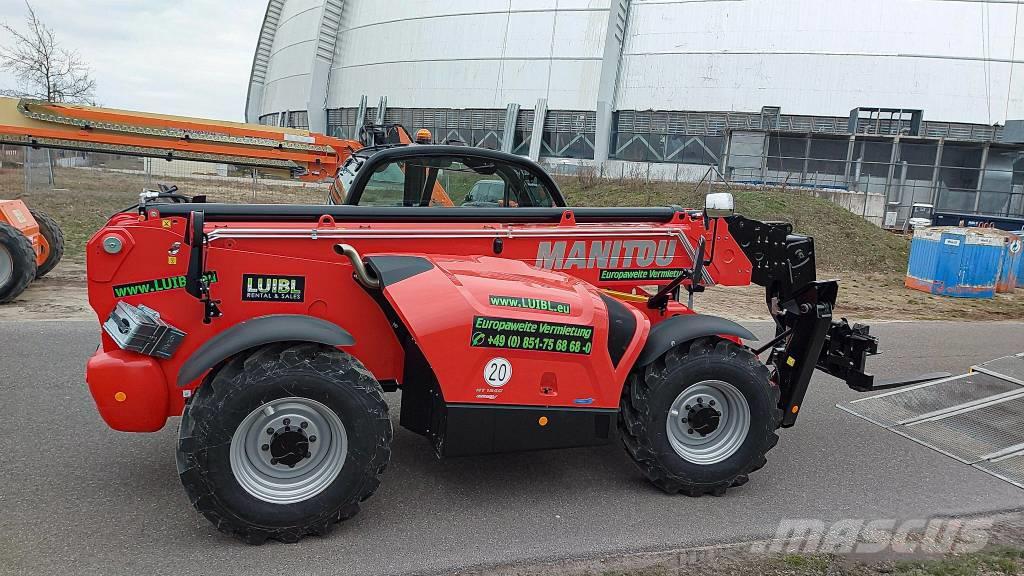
[305, 155]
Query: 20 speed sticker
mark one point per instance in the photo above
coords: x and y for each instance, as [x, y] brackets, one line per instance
[529, 304]
[157, 285]
[497, 372]
[640, 274]
[529, 335]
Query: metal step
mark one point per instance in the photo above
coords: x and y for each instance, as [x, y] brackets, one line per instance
[976, 418]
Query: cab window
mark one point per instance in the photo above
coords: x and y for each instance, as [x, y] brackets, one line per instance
[454, 182]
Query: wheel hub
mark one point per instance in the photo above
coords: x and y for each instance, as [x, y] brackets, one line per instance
[703, 419]
[289, 447]
[288, 450]
[708, 422]
[6, 265]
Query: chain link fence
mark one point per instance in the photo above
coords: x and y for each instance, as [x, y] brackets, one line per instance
[82, 190]
[32, 172]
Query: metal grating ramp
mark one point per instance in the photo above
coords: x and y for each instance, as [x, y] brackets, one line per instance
[902, 406]
[1009, 368]
[974, 434]
[976, 418]
[1009, 468]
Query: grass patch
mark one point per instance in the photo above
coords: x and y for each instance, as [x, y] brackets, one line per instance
[82, 200]
[996, 561]
[992, 562]
[843, 241]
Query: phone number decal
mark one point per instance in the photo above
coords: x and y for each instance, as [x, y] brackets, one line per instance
[529, 335]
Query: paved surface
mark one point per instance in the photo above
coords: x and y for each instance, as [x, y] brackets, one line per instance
[78, 498]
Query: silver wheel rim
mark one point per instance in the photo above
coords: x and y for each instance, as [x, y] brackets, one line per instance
[6, 266]
[692, 415]
[288, 450]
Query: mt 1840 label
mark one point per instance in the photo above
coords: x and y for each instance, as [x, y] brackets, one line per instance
[530, 335]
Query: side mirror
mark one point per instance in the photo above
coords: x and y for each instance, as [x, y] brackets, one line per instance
[718, 205]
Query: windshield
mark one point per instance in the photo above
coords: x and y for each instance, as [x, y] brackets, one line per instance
[922, 212]
[454, 181]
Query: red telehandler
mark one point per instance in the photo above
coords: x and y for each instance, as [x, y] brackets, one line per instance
[511, 323]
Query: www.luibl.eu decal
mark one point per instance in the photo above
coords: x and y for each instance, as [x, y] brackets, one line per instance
[157, 285]
[525, 303]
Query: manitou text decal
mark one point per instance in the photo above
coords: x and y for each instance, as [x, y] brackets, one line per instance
[640, 274]
[529, 304]
[269, 288]
[157, 285]
[564, 255]
[530, 335]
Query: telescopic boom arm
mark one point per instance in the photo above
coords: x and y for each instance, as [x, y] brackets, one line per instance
[305, 155]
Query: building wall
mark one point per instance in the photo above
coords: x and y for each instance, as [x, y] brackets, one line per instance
[470, 53]
[287, 86]
[955, 59]
[676, 82]
[826, 57]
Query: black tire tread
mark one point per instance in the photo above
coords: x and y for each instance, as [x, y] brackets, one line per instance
[634, 411]
[324, 360]
[50, 230]
[24, 261]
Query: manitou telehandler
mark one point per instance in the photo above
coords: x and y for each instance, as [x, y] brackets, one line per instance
[511, 323]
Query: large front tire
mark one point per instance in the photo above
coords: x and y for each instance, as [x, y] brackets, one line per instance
[700, 418]
[284, 442]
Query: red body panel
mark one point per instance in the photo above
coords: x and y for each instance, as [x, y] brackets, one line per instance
[544, 378]
[150, 268]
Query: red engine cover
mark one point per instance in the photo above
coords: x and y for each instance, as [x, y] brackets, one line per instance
[508, 333]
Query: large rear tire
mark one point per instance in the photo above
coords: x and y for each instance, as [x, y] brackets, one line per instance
[284, 442]
[54, 236]
[17, 262]
[700, 418]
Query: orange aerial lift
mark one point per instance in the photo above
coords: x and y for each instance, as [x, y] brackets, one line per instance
[31, 242]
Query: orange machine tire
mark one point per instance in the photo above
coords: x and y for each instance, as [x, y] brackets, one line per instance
[17, 262]
[54, 237]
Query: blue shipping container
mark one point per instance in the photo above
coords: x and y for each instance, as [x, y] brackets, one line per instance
[1020, 260]
[1010, 265]
[954, 261]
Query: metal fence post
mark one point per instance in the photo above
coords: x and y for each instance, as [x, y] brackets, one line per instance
[254, 184]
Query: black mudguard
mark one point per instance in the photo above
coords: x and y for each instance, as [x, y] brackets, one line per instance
[668, 334]
[257, 332]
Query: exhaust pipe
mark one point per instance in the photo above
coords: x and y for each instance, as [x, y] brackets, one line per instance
[362, 275]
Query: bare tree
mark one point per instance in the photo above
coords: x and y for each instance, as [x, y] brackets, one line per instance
[44, 69]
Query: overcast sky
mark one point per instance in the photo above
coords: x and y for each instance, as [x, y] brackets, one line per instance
[188, 57]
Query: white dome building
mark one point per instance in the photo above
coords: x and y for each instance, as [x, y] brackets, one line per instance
[757, 88]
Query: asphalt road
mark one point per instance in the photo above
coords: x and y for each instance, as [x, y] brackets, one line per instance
[76, 497]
